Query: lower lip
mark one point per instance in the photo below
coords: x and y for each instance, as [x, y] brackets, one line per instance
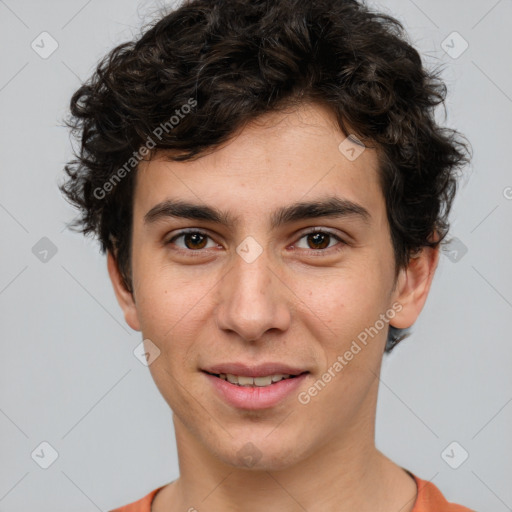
[255, 397]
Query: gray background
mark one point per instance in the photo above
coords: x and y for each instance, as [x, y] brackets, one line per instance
[68, 375]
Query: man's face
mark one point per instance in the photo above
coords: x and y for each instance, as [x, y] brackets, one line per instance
[297, 292]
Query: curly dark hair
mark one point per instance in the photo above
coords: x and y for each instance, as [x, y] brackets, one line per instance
[234, 60]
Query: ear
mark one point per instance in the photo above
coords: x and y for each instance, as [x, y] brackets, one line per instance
[124, 297]
[413, 286]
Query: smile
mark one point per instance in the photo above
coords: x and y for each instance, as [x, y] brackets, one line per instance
[255, 393]
[242, 380]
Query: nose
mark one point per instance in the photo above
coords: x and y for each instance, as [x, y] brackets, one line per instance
[253, 299]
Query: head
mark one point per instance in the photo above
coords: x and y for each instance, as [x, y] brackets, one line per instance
[239, 121]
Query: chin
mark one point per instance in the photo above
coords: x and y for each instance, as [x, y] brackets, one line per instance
[261, 455]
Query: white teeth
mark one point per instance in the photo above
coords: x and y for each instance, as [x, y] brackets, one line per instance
[262, 381]
[245, 381]
[256, 381]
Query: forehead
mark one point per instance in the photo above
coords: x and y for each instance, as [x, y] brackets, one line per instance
[279, 158]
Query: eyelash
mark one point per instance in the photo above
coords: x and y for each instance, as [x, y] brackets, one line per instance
[304, 234]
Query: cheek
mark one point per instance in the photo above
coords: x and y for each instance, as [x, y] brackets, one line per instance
[165, 294]
[168, 309]
[340, 314]
[173, 306]
[340, 305]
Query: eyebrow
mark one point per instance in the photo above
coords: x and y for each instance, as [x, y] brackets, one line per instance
[331, 206]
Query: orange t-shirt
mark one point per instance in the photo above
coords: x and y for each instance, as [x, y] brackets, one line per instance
[429, 499]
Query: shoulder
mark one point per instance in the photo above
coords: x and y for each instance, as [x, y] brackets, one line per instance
[430, 499]
[142, 505]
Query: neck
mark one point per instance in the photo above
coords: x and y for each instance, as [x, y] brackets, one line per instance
[338, 476]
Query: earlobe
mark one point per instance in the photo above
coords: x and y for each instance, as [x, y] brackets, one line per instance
[414, 286]
[124, 296]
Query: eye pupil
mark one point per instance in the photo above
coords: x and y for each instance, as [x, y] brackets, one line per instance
[196, 238]
[317, 238]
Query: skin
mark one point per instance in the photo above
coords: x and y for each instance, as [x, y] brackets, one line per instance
[293, 304]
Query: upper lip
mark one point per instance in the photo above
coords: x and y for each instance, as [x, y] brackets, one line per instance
[260, 370]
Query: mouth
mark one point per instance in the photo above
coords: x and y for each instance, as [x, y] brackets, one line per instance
[246, 381]
[264, 391]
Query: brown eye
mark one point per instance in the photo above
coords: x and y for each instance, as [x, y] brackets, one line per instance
[191, 240]
[319, 240]
[194, 240]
